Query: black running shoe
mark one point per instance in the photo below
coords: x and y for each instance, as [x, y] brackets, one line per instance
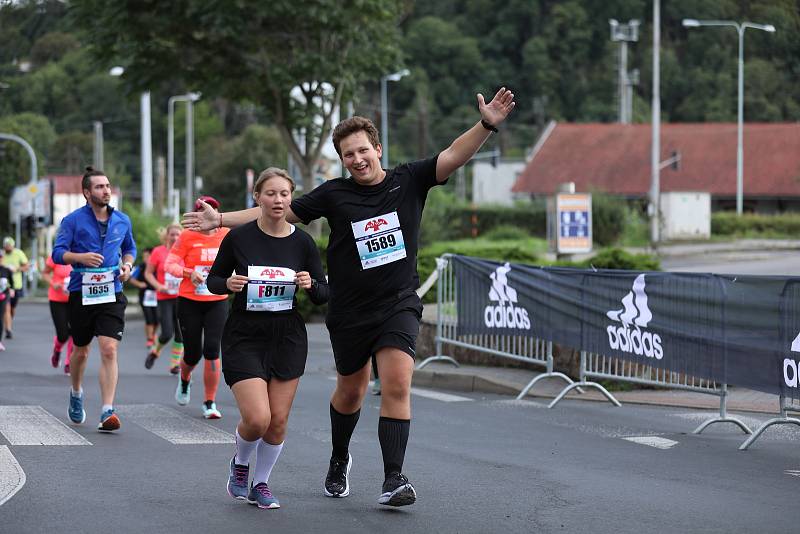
[9, 335]
[150, 360]
[337, 483]
[397, 491]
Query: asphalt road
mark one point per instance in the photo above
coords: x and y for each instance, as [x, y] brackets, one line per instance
[782, 263]
[480, 463]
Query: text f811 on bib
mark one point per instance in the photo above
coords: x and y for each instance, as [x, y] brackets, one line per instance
[379, 240]
[270, 288]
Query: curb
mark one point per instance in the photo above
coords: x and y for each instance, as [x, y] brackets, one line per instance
[472, 383]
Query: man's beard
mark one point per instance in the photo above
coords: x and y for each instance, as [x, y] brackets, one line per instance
[100, 202]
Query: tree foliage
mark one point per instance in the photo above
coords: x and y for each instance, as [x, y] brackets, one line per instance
[297, 60]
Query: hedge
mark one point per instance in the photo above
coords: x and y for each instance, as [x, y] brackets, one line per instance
[751, 224]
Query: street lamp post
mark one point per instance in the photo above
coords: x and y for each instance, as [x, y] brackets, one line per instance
[189, 98]
[740, 29]
[625, 33]
[385, 113]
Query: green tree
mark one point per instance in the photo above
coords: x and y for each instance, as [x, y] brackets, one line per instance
[299, 60]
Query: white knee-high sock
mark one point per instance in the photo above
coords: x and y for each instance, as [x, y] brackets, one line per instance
[244, 449]
[266, 457]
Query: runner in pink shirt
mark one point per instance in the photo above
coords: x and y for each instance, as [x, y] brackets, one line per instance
[57, 278]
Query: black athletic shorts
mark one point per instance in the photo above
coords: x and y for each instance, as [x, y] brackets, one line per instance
[18, 294]
[357, 337]
[263, 345]
[86, 322]
[150, 314]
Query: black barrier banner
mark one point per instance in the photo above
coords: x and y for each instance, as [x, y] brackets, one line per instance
[737, 330]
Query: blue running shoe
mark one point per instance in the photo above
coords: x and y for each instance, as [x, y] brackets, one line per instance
[261, 496]
[108, 421]
[183, 394]
[76, 412]
[237, 480]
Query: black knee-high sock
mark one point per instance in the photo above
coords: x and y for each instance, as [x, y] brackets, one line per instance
[393, 435]
[342, 427]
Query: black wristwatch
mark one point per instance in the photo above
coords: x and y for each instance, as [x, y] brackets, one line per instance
[489, 126]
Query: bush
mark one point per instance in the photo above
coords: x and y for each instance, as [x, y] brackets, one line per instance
[445, 219]
[752, 225]
[506, 232]
[616, 258]
[145, 226]
[514, 251]
[608, 218]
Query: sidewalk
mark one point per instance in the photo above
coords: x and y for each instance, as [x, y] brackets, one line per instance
[510, 381]
[705, 248]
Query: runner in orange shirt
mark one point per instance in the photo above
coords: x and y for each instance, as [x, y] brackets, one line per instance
[167, 299]
[57, 278]
[201, 314]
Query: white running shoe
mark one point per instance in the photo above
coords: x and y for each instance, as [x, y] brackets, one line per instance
[211, 412]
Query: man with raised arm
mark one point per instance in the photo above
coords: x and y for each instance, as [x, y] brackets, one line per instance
[374, 216]
[97, 241]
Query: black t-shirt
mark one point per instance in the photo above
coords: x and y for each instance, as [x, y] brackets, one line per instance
[139, 275]
[359, 278]
[247, 245]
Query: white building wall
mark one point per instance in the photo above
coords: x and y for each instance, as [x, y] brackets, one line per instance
[492, 185]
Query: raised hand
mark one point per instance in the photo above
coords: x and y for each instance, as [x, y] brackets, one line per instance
[303, 279]
[498, 109]
[205, 219]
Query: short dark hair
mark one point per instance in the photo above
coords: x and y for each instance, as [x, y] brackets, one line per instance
[86, 182]
[353, 125]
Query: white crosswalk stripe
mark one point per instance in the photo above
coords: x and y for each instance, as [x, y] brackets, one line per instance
[652, 441]
[172, 425]
[429, 394]
[12, 477]
[33, 425]
[437, 395]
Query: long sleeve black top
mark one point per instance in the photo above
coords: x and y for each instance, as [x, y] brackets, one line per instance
[247, 245]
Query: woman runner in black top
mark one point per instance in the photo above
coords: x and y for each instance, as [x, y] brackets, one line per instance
[264, 344]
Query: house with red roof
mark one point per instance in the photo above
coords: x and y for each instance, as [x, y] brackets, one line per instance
[615, 158]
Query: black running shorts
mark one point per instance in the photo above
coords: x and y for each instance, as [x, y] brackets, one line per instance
[86, 322]
[356, 337]
[263, 345]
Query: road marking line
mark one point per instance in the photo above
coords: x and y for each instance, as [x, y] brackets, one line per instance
[792, 472]
[33, 425]
[653, 441]
[12, 477]
[172, 425]
[436, 395]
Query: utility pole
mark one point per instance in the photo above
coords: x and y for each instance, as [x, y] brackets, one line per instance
[625, 33]
[98, 145]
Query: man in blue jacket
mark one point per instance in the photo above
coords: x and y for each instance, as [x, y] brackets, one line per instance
[98, 241]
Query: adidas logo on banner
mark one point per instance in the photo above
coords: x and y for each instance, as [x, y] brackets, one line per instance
[505, 314]
[789, 363]
[636, 314]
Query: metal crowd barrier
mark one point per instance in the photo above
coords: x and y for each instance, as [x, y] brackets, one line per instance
[611, 368]
[790, 327]
[521, 348]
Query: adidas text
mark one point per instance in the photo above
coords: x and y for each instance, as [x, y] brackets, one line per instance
[635, 341]
[788, 364]
[506, 317]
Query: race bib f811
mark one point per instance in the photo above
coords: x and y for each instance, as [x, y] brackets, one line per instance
[379, 240]
[270, 288]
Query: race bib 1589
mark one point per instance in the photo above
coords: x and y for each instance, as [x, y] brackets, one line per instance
[379, 240]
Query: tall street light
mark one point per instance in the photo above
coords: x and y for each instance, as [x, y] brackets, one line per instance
[740, 28]
[147, 144]
[189, 98]
[385, 112]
